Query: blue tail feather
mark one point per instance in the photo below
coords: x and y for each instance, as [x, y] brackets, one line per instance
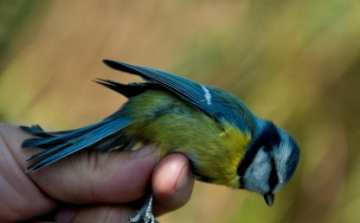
[57, 136]
[48, 151]
[62, 145]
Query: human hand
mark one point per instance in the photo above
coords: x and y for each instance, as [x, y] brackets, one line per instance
[89, 186]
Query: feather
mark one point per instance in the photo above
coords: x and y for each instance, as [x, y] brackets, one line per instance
[128, 90]
[62, 145]
[212, 101]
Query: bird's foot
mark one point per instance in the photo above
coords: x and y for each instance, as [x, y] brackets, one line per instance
[144, 215]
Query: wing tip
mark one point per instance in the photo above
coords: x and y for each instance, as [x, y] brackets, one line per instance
[124, 67]
[111, 63]
[103, 82]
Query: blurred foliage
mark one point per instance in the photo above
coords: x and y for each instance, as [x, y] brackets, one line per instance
[15, 17]
[295, 62]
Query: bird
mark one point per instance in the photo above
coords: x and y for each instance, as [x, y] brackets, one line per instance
[225, 142]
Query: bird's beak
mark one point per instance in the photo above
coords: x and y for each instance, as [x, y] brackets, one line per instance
[269, 199]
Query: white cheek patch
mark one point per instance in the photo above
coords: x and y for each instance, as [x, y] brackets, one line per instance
[207, 95]
[281, 156]
[257, 174]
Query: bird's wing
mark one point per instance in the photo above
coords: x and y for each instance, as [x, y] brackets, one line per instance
[210, 100]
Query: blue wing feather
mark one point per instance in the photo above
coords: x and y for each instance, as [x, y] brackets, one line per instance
[212, 101]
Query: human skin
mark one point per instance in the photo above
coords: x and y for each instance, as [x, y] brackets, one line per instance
[89, 186]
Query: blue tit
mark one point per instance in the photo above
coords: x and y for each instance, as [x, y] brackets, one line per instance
[225, 142]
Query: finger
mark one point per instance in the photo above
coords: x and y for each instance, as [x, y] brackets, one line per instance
[90, 176]
[85, 177]
[20, 199]
[93, 177]
[95, 214]
[172, 183]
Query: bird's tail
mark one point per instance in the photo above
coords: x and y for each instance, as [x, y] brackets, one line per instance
[104, 135]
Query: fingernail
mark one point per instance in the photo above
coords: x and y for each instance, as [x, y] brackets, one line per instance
[183, 180]
[65, 215]
[145, 151]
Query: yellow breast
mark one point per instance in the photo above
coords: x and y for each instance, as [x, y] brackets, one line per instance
[214, 149]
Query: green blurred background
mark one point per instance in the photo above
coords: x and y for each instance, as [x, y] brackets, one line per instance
[295, 62]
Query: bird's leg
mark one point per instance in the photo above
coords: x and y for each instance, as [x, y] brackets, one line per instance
[145, 214]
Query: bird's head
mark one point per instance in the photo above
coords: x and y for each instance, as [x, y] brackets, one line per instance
[269, 162]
